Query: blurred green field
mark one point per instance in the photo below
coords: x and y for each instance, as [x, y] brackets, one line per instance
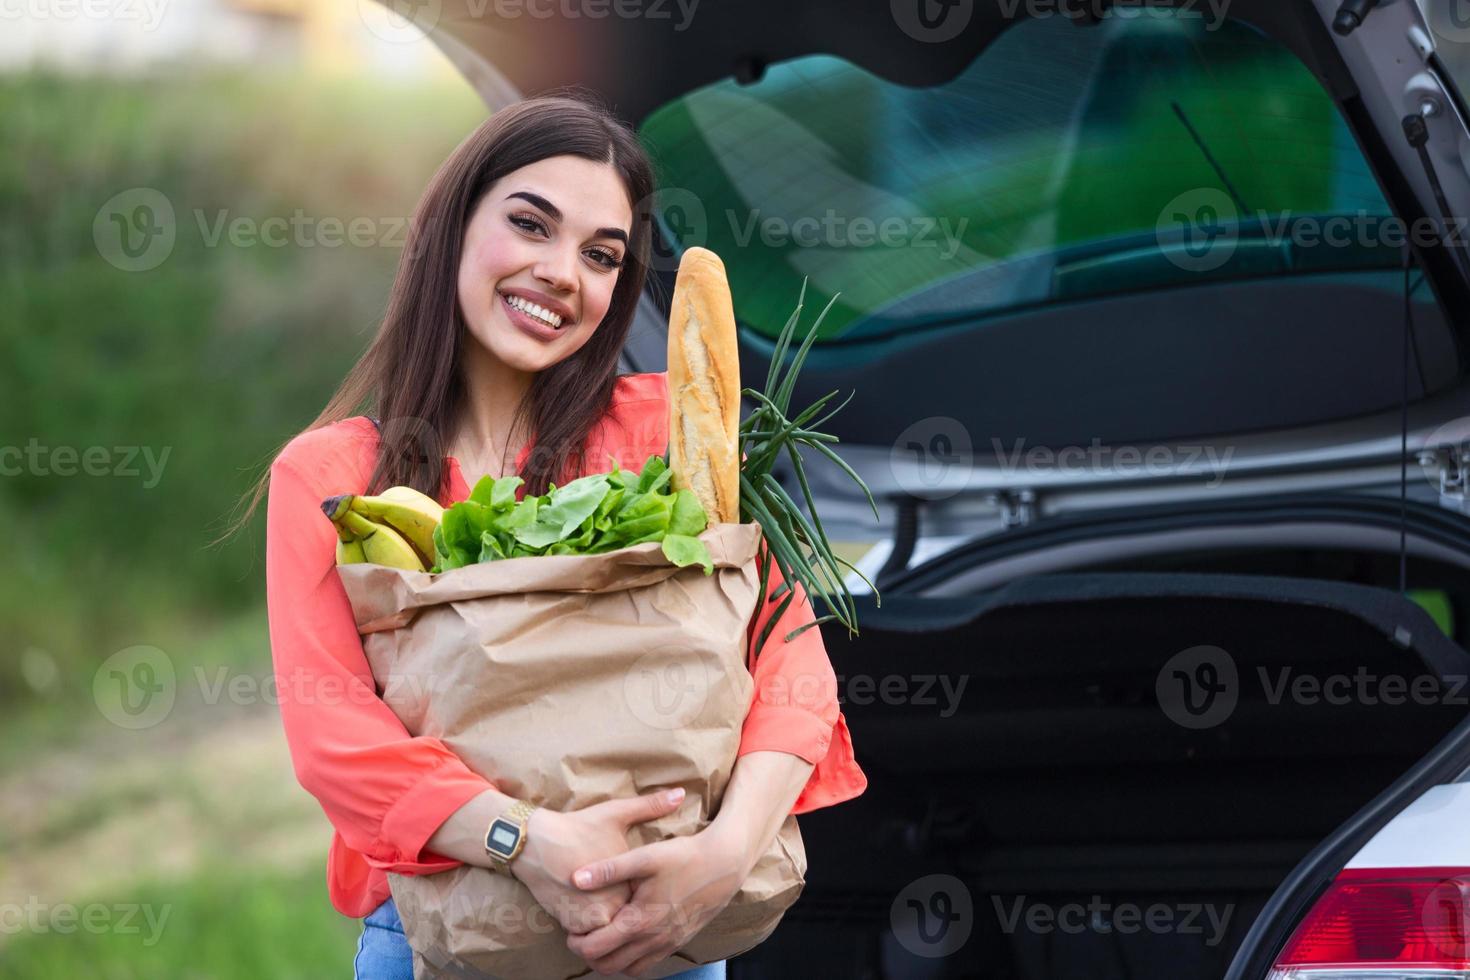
[215, 357]
[226, 922]
[204, 364]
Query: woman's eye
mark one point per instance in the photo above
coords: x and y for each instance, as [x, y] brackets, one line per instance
[526, 222]
[606, 259]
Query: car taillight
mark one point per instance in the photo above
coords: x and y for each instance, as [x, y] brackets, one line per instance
[1383, 924]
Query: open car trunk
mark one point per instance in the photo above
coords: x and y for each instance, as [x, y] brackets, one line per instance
[1103, 816]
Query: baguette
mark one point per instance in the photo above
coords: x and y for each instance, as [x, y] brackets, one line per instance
[704, 387]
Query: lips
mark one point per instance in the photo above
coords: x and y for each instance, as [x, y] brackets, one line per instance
[545, 302]
[529, 324]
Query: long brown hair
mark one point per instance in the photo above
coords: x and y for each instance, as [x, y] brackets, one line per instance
[409, 375]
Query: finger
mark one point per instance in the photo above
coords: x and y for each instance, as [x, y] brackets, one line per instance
[605, 902]
[637, 863]
[648, 806]
[621, 960]
[631, 924]
[590, 918]
[599, 943]
[661, 952]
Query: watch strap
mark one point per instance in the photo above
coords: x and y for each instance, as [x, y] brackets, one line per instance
[518, 812]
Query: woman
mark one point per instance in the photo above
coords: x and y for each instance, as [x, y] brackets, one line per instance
[545, 203]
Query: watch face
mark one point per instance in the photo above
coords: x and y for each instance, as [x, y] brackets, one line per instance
[502, 837]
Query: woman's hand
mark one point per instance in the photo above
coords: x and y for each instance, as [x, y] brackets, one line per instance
[679, 885]
[559, 843]
[685, 882]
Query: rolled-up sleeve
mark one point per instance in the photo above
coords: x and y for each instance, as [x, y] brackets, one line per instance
[794, 707]
[385, 791]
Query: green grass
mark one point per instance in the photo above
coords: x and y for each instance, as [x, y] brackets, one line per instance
[66, 715]
[216, 356]
[224, 923]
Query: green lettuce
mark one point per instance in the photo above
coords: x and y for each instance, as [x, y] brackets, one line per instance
[589, 516]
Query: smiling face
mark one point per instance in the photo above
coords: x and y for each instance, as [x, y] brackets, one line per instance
[553, 233]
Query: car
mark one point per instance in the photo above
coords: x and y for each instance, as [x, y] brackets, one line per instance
[1155, 317]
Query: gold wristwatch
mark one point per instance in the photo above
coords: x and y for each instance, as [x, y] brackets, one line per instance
[507, 835]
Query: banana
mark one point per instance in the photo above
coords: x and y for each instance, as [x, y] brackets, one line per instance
[412, 514]
[349, 552]
[382, 545]
[349, 548]
[379, 543]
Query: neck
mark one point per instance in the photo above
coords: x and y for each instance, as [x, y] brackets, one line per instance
[493, 390]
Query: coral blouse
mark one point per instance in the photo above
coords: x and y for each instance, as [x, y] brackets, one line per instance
[385, 791]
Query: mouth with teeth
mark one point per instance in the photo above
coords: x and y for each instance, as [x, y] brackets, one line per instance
[538, 313]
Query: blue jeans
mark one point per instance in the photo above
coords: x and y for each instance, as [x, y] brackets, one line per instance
[383, 952]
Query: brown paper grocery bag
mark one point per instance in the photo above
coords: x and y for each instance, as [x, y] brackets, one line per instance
[568, 680]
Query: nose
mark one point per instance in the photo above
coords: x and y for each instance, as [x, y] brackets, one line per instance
[558, 270]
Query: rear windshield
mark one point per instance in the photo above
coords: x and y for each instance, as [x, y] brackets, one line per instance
[1150, 151]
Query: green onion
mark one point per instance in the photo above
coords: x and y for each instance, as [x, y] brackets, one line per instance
[798, 546]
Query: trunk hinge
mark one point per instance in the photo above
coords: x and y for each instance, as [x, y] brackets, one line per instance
[1017, 507]
[1447, 466]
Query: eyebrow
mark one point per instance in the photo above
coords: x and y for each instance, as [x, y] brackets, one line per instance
[556, 215]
